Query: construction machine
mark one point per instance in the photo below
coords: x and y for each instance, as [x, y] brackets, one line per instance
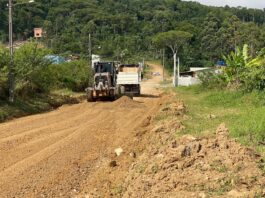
[104, 83]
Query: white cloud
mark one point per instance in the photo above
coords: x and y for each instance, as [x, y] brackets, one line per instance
[260, 4]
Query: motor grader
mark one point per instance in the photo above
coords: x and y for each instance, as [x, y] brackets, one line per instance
[104, 82]
[113, 80]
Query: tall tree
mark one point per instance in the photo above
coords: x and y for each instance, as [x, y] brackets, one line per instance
[209, 38]
[174, 40]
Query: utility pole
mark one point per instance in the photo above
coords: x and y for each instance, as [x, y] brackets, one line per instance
[90, 49]
[11, 75]
[163, 65]
[175, 70]
[90, 46]
[11, 72]
[178, 72]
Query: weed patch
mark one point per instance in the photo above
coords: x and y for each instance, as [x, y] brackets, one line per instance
[242, 112]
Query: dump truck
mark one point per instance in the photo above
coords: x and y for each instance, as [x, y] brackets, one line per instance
[129, 79]
[104, 82]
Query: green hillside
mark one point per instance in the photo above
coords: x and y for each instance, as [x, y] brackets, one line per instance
[128, 26]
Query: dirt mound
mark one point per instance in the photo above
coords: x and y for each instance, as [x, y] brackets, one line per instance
[176, 108]
[192, 167]
[127, 102]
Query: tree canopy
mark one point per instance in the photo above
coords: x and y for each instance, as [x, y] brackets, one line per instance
[129, 26]
[172, 39]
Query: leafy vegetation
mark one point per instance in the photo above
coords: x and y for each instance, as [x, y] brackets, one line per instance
[34, 73]
[40, 85]
[122, 29]
[173, 40]
[242, 72]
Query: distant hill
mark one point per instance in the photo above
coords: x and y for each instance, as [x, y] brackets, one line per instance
[128, 26]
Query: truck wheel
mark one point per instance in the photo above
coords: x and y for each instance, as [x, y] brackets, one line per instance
[122, 90]
[112, 95]
[117, 93]
[138, 94]
[90, 97]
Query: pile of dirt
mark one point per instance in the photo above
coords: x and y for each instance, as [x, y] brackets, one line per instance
[127, 102]
[176, 108]
[192, 167]
[171, 117]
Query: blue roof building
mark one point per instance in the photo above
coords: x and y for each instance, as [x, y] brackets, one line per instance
[55, 59]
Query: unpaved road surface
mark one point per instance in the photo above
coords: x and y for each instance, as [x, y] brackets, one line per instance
[61, 153]
[70, 152]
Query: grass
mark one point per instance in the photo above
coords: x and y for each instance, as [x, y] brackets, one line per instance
[226, 186]
[216, 165]
[243, 113]
[118, 190]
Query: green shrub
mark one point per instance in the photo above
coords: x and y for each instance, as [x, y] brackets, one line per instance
[29, 63]
[4, 61]
[211, 80]
[254, 75]
[44, 80]
[73, 75]
[4, 57]
[36, 74]
[236, 65]
[242, 72]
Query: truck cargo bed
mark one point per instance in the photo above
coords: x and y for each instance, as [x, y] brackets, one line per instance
[125, 78]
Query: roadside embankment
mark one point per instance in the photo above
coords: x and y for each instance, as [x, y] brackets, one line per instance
[37, 104]
[176, 164]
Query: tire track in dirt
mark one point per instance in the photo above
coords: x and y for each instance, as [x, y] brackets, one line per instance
[101, 132]
[49, 139]
[25, 124]
[26, 150]
[49, 151]
[22, 137]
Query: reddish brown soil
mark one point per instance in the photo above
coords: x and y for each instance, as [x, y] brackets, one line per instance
[59, 153]
[70, 152]
[189, 167]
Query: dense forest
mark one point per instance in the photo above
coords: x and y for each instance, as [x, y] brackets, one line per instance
[125, 28]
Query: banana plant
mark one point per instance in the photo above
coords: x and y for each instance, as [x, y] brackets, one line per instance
[236, 64]
[248, 72]
[254, 76]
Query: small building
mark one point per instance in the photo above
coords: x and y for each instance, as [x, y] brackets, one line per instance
[191, 77]
[221, 63]
[38, 32]
[54, 59]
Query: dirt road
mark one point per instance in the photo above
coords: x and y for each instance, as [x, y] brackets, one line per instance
[67, 152]
[70, 152]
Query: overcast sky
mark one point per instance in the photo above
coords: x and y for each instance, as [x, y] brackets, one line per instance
[260, 4]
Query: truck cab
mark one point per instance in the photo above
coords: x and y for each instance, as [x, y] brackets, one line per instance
[105, 75]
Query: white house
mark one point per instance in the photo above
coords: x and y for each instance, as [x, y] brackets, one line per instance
[191, 77]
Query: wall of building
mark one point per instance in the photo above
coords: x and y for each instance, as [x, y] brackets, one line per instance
[188, 81]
